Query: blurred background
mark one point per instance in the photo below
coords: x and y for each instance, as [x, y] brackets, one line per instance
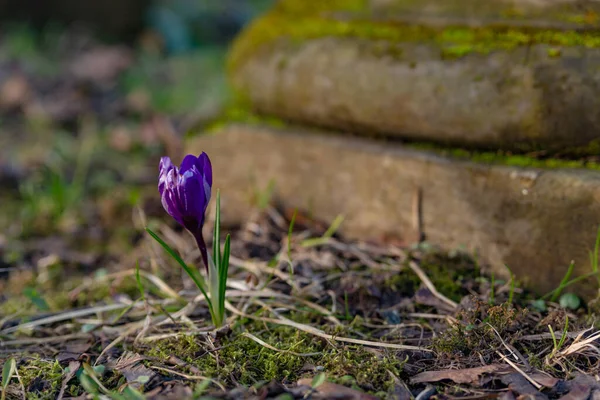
[91, 95]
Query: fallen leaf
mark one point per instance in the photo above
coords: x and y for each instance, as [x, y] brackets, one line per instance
[580, 387]
[544, 379]
[467, 375]
[73, 368]
[73, 352]
[135, 373]
[520, 385]
[578, 392]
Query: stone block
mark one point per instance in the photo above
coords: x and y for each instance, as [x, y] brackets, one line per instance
[511, 75]
[533, 220]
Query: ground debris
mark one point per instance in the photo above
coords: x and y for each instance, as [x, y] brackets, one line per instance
[380, 319]
[328, 390]
[468, 375]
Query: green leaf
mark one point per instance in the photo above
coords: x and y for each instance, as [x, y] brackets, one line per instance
[289, 235]
[289, 241]
[201, 388]
[563, 282]
[284, 396]
[131, 394]
[36, 299]
[217, 233]
[570, 301]
[88, 384]
[318, 380]
[565, 332]
[572, 282]
[539, 305]
[8, 370]
[195, 277]
[223, 271]
[335, 225]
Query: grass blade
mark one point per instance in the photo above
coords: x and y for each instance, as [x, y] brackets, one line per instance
[223, 271]
[217, 234]
[8, 370]
[335, 225]
[572, 282]
[563, 282]
[565, 332]
[193, 274]
[289, 241]
[290, 230]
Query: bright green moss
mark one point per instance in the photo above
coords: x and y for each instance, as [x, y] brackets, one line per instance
[241, 360]
[295, 7]
[41, 378]
[241, 114]
[284, 23]
[513, 160]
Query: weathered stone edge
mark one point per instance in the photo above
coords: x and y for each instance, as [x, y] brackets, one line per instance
[530, 219]
[241, 113]
[455, 40]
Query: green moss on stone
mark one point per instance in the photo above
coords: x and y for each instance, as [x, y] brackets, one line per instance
[506, 158]
[554, 52]
[303, 7]
[241, 113]
[283, 23]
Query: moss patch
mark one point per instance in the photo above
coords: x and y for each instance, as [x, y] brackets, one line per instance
[302, 7]
[479, 329]
[287, 21]
[41, 378]
[239, 359]
[574, 158]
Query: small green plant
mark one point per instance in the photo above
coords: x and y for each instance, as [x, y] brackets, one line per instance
[333, 228]
[558, 344]
[9, 369]
[318, 380]
[565, 282]
[289, 241]
[185, 194]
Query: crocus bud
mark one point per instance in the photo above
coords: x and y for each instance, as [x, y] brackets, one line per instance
[185, 194]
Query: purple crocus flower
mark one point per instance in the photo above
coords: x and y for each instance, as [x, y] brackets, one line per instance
[185, 193]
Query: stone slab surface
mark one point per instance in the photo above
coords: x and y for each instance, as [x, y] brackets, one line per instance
[535, 221]
[519, 99]
[510, 74]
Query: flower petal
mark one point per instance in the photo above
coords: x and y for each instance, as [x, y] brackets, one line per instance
[205, 168]
[164, 167]
[170, 205]
[192, 195]
[188, 163]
